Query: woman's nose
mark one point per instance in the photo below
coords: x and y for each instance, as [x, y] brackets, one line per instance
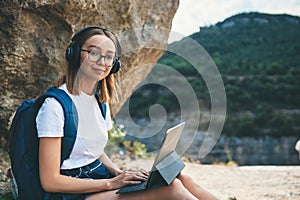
[101, 61]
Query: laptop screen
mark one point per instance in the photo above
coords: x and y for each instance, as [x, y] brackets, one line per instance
[169, 143]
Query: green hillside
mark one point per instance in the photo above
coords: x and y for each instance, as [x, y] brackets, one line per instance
[258, 57]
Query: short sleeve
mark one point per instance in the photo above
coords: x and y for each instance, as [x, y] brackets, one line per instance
[50, 119]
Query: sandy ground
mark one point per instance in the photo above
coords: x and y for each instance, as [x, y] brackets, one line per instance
[249, 183]
[242, 183]
[226, 182]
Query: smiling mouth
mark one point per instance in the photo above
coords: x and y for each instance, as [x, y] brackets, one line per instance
[99, 70]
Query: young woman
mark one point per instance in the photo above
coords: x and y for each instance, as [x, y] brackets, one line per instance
[93, 58]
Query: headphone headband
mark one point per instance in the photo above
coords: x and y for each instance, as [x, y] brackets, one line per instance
[76, 35]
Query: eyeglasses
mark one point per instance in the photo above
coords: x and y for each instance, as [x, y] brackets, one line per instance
[95, 56]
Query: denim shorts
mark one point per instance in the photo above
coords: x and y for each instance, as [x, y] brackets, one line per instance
[95, 170]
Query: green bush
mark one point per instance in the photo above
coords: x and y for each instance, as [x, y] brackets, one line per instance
[118, 145]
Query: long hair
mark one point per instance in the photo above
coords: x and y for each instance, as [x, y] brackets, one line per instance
[104, 87]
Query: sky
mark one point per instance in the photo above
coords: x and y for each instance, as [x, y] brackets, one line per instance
[192, 14]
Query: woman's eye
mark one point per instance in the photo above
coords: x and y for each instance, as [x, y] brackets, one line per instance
[109, 57]
[93, 53]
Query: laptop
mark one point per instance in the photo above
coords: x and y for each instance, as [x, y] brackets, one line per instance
[166, 166]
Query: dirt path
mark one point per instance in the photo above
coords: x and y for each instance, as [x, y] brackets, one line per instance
[227, 183]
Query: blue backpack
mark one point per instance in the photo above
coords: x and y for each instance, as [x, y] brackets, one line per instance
[23, 143]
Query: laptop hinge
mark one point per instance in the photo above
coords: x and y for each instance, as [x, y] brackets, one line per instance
[166, 171]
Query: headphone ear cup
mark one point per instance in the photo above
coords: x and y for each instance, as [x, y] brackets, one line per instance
[73, 55]
[116, 66]
[69, 52]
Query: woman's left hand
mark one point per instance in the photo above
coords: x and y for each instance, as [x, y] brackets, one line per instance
[141, 173]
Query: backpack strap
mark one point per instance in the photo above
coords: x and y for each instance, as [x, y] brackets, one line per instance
[102, 106]
[71, 119]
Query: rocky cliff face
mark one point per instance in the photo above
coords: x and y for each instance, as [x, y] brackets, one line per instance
[35, 33]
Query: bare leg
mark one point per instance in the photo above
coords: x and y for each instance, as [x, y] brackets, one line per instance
[195, 188]
[175, 191]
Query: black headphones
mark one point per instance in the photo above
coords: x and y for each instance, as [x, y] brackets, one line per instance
[74, 49]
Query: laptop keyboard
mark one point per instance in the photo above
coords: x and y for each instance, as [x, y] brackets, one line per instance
[130, 188]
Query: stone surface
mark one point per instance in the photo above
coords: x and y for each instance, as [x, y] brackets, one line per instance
[35, 33]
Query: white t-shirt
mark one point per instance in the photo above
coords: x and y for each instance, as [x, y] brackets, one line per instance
[91, 132]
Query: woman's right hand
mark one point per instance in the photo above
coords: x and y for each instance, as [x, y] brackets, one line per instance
[127, 178]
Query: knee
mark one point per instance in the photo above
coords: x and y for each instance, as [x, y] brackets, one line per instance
[188, 181]
[177, 184]
[176, 190]
[185, 178]
[176, 187]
